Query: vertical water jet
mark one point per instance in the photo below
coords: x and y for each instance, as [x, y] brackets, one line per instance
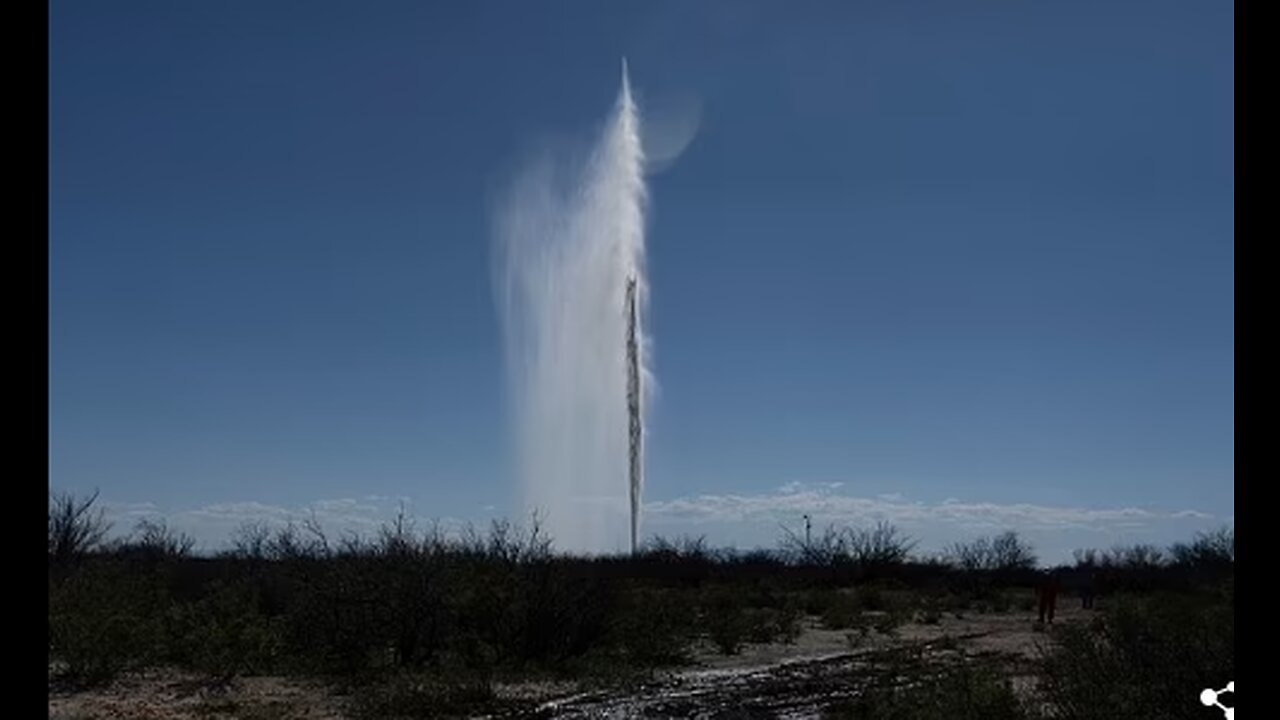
[572, 292]
[635, 428]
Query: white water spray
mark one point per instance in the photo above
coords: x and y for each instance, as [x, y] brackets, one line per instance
[570, 246]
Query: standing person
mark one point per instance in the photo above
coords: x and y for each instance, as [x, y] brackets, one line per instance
[1048, 596]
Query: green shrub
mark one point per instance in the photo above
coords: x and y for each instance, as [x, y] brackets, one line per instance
[930, 609]
[888, 624]
[816, 602]
[871, 598]
[653, 628]
[727, 623]
[761, 624]
[788, 623]
[224, 634]
[104, 620]
[1139, 658]
[843, 611]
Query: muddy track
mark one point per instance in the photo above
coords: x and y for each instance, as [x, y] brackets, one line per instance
[794, 689]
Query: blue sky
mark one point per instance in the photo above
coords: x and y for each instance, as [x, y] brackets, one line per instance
[961, 268]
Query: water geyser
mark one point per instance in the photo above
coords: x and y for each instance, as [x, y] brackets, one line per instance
[572, 294]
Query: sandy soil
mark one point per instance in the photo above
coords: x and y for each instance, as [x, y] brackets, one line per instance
[1006, 633]
[775, 680]
[170, 695]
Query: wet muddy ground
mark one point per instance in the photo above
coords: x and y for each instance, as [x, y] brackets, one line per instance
[823, 668]
[797, 680]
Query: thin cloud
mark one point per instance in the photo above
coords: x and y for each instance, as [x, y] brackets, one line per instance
[744, 520]
[820, 501]
[757, 519]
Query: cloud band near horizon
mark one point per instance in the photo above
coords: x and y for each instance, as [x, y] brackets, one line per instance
[740, 520]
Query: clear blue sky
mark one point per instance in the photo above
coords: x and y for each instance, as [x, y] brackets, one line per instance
[974, 262]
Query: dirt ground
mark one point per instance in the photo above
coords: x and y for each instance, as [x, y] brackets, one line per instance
[171, 695]
[774, 680]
